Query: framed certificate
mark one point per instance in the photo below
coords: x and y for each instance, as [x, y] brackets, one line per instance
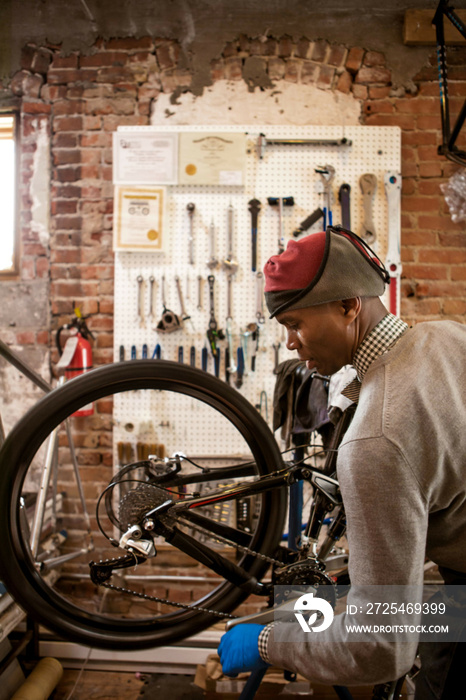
[212, 158]
[139, 218]
[145, 158]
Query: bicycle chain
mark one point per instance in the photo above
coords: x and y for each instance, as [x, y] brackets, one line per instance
[166, 601]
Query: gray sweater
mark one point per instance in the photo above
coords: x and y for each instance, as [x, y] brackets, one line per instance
[402, 474]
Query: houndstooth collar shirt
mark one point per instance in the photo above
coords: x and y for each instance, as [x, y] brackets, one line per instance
[379, 341]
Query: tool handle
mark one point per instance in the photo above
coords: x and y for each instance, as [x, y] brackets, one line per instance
[204, 359]
[344, 199]
[192, 356]
[307, 223]
[157, 352]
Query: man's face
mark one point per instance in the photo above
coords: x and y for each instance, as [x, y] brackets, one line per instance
[324, 335]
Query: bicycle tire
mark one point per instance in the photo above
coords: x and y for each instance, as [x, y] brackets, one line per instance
[17, 567]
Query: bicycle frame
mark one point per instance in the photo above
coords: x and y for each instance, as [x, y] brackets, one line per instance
[327, 497]
[449, 133]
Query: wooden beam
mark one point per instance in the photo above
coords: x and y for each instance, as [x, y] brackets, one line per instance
[418, 28]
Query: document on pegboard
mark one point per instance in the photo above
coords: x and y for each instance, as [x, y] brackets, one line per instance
[139, 218]
[145, 158]
[212, 158]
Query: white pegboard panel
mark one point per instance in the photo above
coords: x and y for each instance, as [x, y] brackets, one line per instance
[284, 171]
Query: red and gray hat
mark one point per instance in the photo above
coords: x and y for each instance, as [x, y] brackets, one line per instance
[328, 266]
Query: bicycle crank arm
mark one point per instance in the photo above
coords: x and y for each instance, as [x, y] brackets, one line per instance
[263, 617]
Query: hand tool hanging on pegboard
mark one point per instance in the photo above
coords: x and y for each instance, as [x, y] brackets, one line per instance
[212, 262]
[184, 315]
[308, 222]
[345, 206]
[151, 297]
[213, 332]
[327, 173]
[140, 281]
[230, 265]
[281, 202]
[392, 181]
[254, 208]
[191, 207]
[368, 185]
[157, 354]
[170, 321]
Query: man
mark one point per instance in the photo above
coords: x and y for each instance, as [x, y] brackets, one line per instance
[400, 467]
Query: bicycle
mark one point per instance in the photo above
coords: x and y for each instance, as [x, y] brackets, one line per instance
[450, 133]
[179, 500]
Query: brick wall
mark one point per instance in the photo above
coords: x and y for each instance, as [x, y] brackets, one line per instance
[83, 98]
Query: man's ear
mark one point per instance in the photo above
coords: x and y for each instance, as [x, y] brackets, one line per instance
[352, 308]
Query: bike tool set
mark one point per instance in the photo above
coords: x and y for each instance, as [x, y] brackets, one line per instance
[234, 197]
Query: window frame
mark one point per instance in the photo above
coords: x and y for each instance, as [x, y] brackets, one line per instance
[14, 271]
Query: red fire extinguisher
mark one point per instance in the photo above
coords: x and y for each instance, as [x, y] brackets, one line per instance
[76, 354]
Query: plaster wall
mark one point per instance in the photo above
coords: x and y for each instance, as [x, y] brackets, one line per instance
[233, 102]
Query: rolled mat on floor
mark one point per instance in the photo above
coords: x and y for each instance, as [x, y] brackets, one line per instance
[41, 681]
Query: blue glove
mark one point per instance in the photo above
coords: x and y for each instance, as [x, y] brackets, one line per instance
[239, 650]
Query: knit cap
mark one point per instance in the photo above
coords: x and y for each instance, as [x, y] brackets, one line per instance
[331, 265]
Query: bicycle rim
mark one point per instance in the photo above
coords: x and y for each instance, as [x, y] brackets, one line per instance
[163, 393]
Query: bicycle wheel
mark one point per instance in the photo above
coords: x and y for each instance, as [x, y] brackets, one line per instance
[187, 411]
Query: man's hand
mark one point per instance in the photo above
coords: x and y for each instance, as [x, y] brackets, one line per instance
[239, 651]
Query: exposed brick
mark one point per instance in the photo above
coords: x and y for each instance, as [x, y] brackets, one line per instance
[309, 72]
[344, 82]
[452, 307]
[320, 49]
[376, 74]
[285, 47]
[68, 124]
[42, 268]
[354, 59]
[303, 48]
[167, 54]
[62, 107]
[428, 272]
[374, 58]
[68, 174]
[70, 61]
[292, 70]
[326, 75]
[255, 48]
[360, 92]
[337, 55]
[442, 255]
[430, 169]
[25, 83]
[64, 156]
[379, 107]
[35, 108]
[378, 93]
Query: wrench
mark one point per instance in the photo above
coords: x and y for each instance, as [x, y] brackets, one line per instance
[327, 173]
[260, 297]
[212, 261]
[140, 281]
[184, 315]
[368, 185]
[151, 296]
[191, 207]
[199, 292]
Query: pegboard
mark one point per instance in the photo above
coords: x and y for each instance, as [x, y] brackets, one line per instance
[283, 171]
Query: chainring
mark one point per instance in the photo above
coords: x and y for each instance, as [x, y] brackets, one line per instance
[304, 573]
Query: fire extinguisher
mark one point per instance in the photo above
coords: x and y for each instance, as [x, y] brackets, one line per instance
[76, 354]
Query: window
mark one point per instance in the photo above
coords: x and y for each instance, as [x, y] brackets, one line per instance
[9, 239]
